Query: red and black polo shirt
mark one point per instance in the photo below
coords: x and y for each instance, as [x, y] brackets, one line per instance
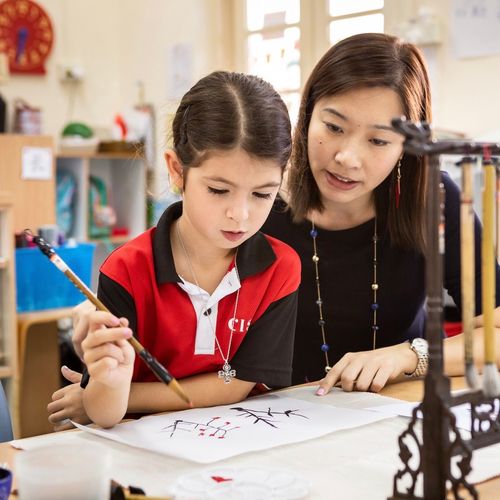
[174, 320]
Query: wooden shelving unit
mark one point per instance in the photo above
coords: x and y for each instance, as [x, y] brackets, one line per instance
[8, 337]
[24, 203]
[125, 178]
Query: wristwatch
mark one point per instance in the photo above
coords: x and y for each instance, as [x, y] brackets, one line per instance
[421, 348]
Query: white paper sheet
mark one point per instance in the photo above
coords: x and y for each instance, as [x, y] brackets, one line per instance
[206, 435]
[462, 412]
[36, 163]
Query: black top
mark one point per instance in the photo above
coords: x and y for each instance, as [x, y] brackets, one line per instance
[346, 270]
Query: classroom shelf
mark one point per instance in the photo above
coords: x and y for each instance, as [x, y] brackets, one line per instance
[114, 240]
[125, 177]
[8, 336]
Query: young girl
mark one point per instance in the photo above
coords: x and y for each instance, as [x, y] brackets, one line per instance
[208, 295]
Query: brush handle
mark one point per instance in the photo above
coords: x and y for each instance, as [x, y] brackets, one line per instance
[467, 257]
[488, 261]
[156, 367]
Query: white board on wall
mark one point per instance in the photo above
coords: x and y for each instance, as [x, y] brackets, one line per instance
[475, 27]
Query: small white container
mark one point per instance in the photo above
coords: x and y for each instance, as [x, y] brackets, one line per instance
[64, 472]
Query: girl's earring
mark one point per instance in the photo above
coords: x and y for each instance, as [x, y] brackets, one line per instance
[174, 189]
[398, 182]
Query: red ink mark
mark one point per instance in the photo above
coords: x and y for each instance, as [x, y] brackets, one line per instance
[220, 479]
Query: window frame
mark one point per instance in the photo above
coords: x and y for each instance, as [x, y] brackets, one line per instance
[314, 26]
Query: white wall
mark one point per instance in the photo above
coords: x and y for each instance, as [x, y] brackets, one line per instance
[469, 96]
[119, 42]
[466, 92]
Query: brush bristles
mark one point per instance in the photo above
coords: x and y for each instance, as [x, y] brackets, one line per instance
[472, 376]
[491, 380]
[176, 387]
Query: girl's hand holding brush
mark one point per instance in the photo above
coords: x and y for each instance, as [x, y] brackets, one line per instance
[106, 351]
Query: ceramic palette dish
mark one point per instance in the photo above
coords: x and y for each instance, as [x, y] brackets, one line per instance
[241, 484]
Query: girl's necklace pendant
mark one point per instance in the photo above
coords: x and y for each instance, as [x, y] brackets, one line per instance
[227, 373]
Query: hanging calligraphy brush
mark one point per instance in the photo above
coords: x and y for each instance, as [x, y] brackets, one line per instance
[491, 381]
[467, 268]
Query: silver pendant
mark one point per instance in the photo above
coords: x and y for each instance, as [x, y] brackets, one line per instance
[227, 373]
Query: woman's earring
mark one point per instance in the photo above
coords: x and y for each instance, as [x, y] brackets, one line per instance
[398, 182]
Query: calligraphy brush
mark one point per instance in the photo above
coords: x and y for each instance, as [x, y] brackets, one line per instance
[467, 268]
[491, 382]
[155, 366]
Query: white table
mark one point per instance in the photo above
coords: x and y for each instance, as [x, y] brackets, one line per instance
[351, 464]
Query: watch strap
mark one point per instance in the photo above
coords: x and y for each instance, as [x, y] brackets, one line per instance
[420, 348]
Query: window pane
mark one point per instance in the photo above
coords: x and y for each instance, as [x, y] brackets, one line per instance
[275, 56]
[343, 28]
[263, 14]
[343, 7]
[292, 101]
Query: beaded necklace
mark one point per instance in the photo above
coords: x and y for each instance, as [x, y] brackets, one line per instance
[325, 347]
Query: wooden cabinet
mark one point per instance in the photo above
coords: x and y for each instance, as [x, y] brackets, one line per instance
[26, 201]
[125, 178]
[8, 338]
[33, 200]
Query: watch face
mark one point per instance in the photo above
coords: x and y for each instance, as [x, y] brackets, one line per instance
[26, 35]
[420, 345]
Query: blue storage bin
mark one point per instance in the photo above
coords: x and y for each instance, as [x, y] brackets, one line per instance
[40, 285]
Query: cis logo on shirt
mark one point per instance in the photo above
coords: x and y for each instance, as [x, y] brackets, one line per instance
[239, 325]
